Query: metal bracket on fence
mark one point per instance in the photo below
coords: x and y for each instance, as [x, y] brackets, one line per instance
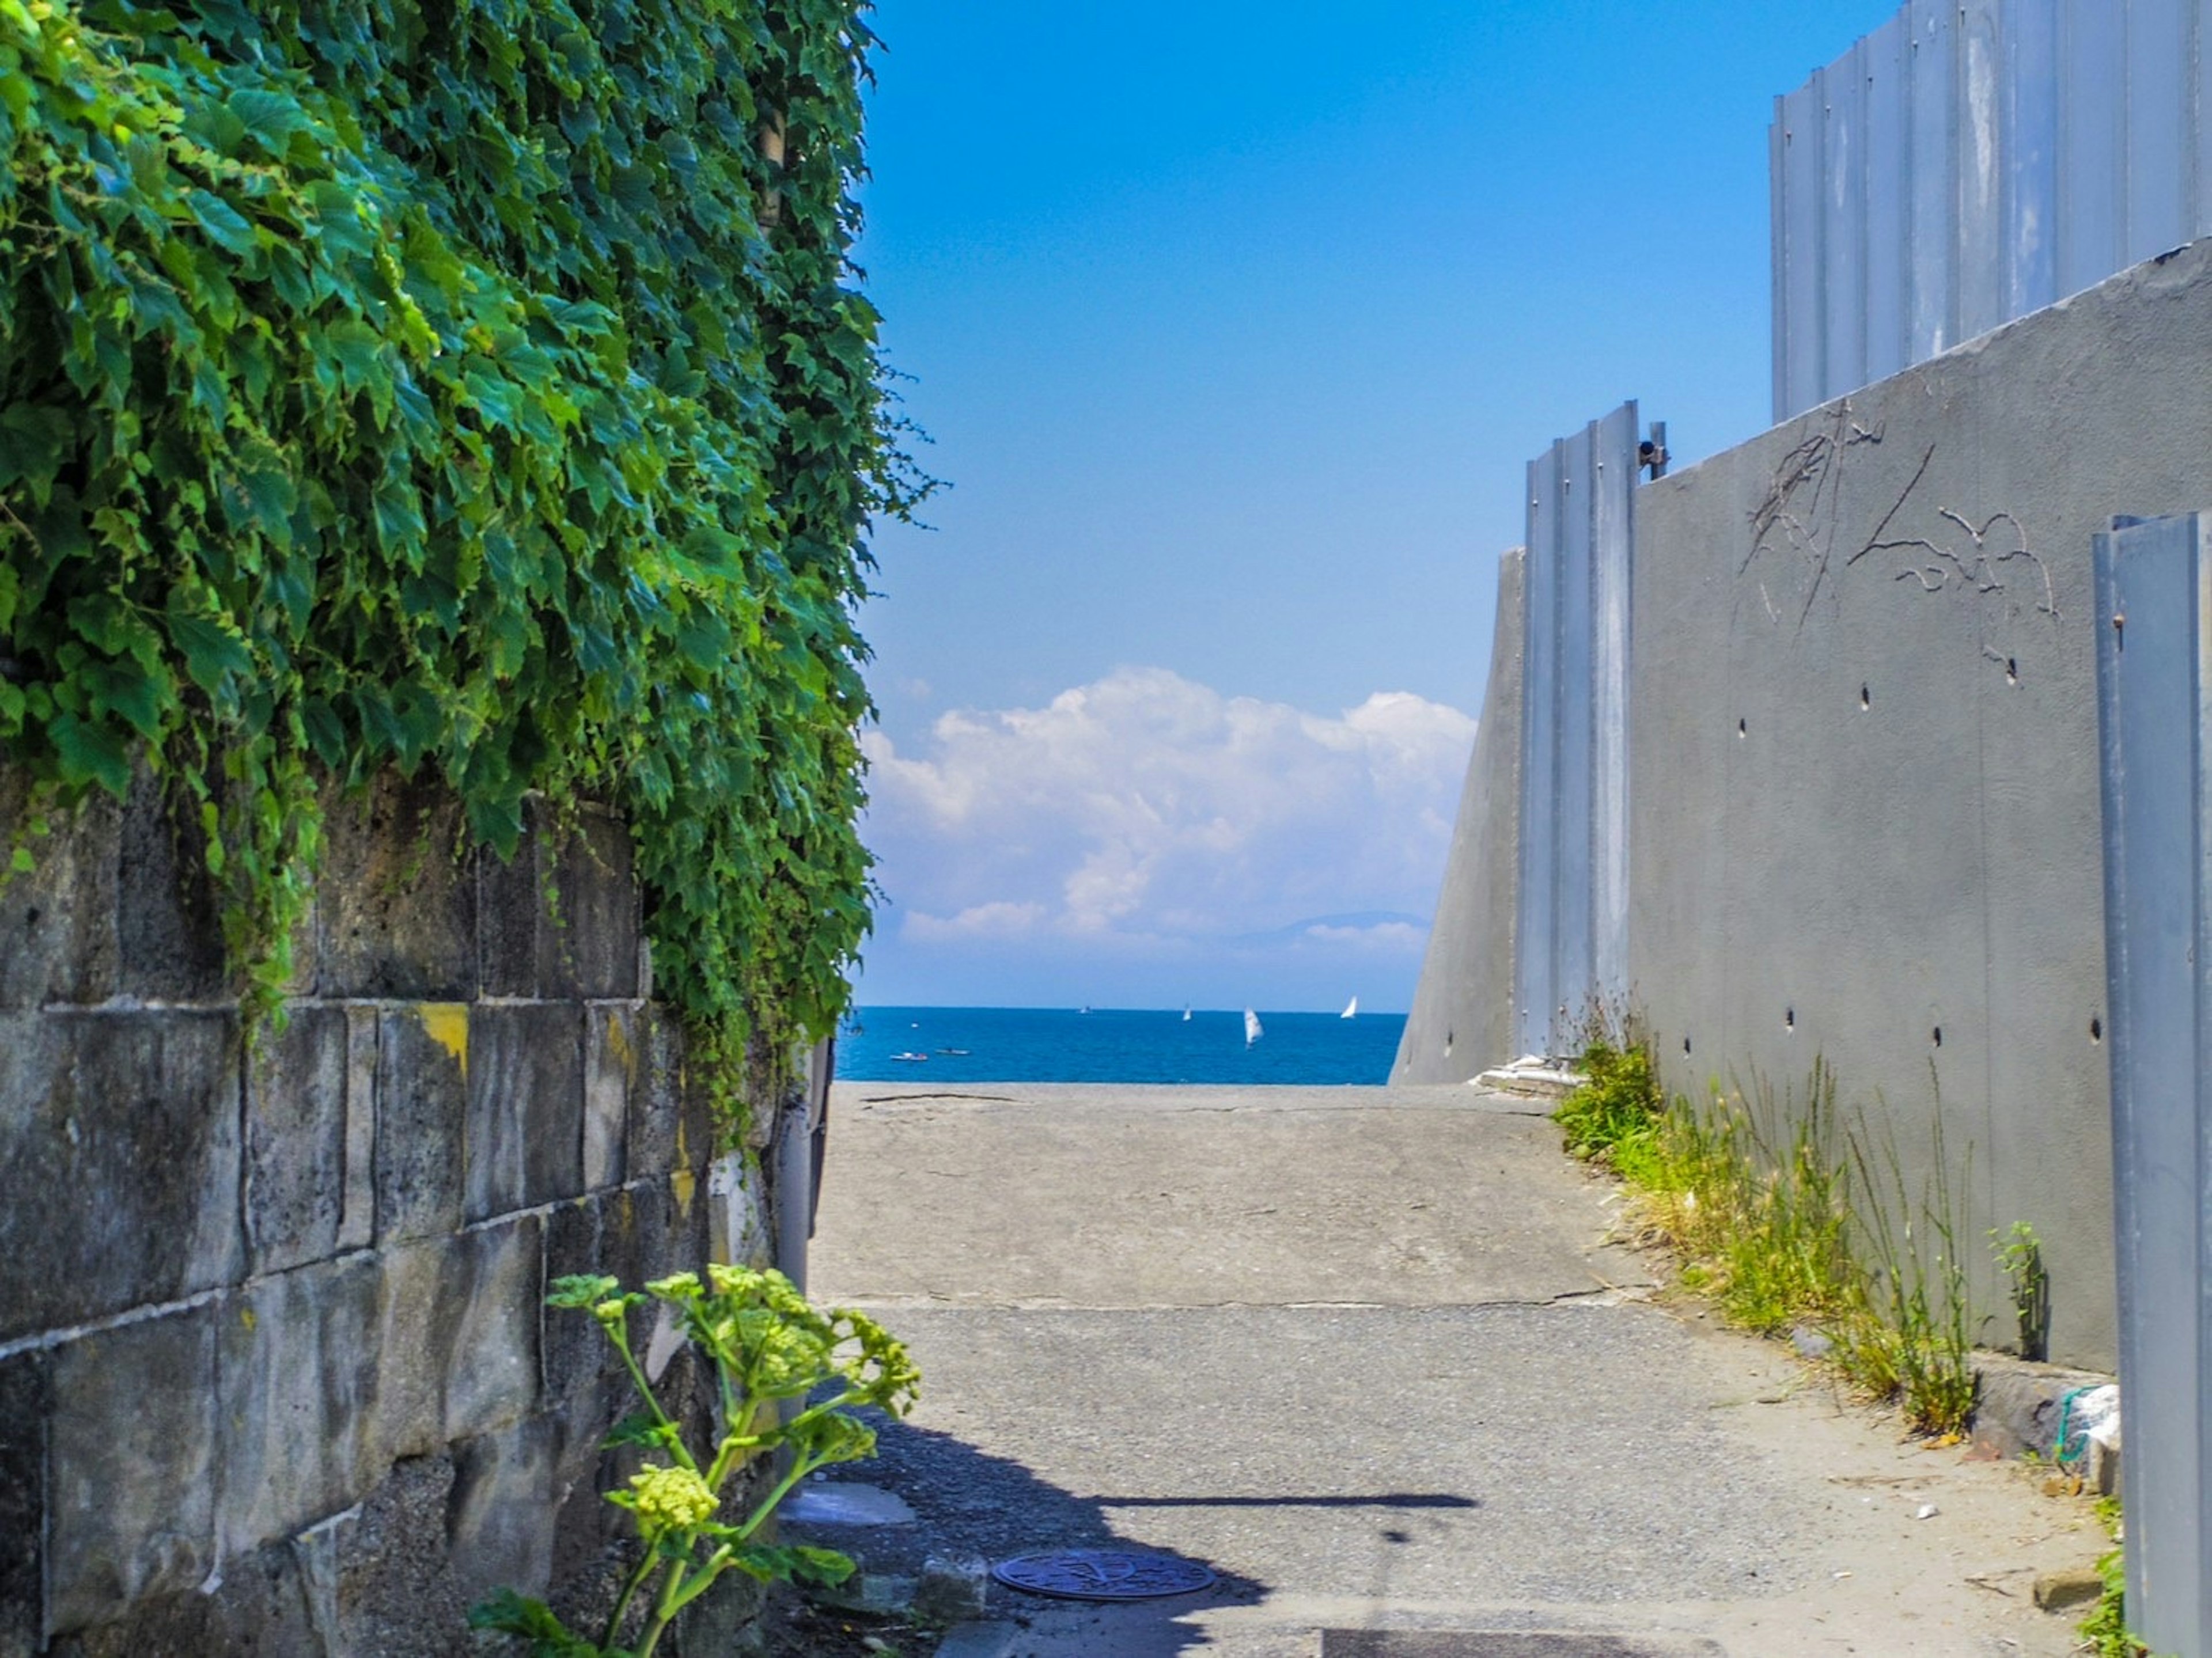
[1651, 454]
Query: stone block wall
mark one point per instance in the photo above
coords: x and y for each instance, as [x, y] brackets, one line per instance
[276, 1375]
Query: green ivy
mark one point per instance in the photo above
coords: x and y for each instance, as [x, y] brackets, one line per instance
[459, 385]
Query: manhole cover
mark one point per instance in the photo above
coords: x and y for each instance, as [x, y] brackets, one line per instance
[1103, 1575]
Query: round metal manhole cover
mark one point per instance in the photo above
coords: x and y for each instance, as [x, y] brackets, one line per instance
[1103, 1575]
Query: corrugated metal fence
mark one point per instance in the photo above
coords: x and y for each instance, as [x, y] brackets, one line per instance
[1973, 160]
[2154, 685]
[1571, 940]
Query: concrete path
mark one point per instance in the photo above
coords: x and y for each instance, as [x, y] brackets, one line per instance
[1370, 1355]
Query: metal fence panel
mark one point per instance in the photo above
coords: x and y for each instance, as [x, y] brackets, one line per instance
[2155, 704]
[2091, 146]
[1534, 992]
[2030, 147]
[1844, 217]
[1571, 941]
[1933, 111]
[2162, 132]
[2047, 144]
[1889, 168]
[1979, 232]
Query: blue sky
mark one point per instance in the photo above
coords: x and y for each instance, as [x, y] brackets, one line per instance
[1234, 326]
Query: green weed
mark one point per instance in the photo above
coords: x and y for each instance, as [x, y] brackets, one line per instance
[1776, 1216]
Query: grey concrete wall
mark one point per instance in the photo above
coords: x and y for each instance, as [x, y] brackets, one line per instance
[1462, 1016]
[1865, 821]
[275, 1374]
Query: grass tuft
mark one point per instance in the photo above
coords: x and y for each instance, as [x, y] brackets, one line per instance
[1777, 1215]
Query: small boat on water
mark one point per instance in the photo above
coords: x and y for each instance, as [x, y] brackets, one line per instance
[1186, 1012]
[911, 1058]
[1350, 1008]
[1253, 1031]
[955, 1053]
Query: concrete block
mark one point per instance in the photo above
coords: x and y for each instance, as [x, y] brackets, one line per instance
[169, 923]
[421, 1101]
[23, 1408]
[2017, 1401]
[505, 1507]
[131, 1466]
[2064, 1591]
[615, 1065]
[119, 1132]
[57, 940]
[979, 1639]
[299, 1361]
[524, 1141]
[397, 906]
[309, 1139]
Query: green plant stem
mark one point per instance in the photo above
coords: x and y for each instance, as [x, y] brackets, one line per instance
[628, 1593]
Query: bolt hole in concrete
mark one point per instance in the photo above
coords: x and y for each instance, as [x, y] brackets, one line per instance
[1790, 1018]
[2096, 1029]
[1685, 1044]
[1741, 729]
[1939, 1035]
[1866, 698]
[2012, 671]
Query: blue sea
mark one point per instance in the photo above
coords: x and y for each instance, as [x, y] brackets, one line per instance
[1113, 1045]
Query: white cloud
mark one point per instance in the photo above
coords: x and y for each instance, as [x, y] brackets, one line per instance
[1143, 811]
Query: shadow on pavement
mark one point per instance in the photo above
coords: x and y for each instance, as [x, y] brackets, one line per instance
[970, 1505]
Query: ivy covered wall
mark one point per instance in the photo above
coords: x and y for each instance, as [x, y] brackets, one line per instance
[475, 388]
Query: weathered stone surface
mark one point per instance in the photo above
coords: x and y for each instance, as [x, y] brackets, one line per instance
[168, 927]
[309, 1139]
[394, 1592]
[421, 1101]
[259, 1608]
[505, 1507]
[524, 1142]
[737, 1228]
[23, 1405]
[671, 1116]
[57, 922]
[300, 1364]
[132, 1465]
[456, 1336]
[589, 948]
[119, 1133]
[614, 1061]
[398, 904]
[510, 902]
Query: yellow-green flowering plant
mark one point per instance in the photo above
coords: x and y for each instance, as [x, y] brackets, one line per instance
[769, 1345]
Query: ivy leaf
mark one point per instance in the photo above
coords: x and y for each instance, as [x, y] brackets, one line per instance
[211, 654]
[90, 754]
[223, 223]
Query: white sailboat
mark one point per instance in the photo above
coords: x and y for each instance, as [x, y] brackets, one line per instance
[1350, 1008]
[1252, 1031]
[1186, 1012]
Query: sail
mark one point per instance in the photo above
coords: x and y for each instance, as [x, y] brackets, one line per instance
[1350, 1008]
[1186, 1012]
[1251, 1027]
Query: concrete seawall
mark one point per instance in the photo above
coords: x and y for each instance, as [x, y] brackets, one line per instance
[1865, 822]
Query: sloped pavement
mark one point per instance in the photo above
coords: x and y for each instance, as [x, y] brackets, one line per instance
[1369, 1354]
